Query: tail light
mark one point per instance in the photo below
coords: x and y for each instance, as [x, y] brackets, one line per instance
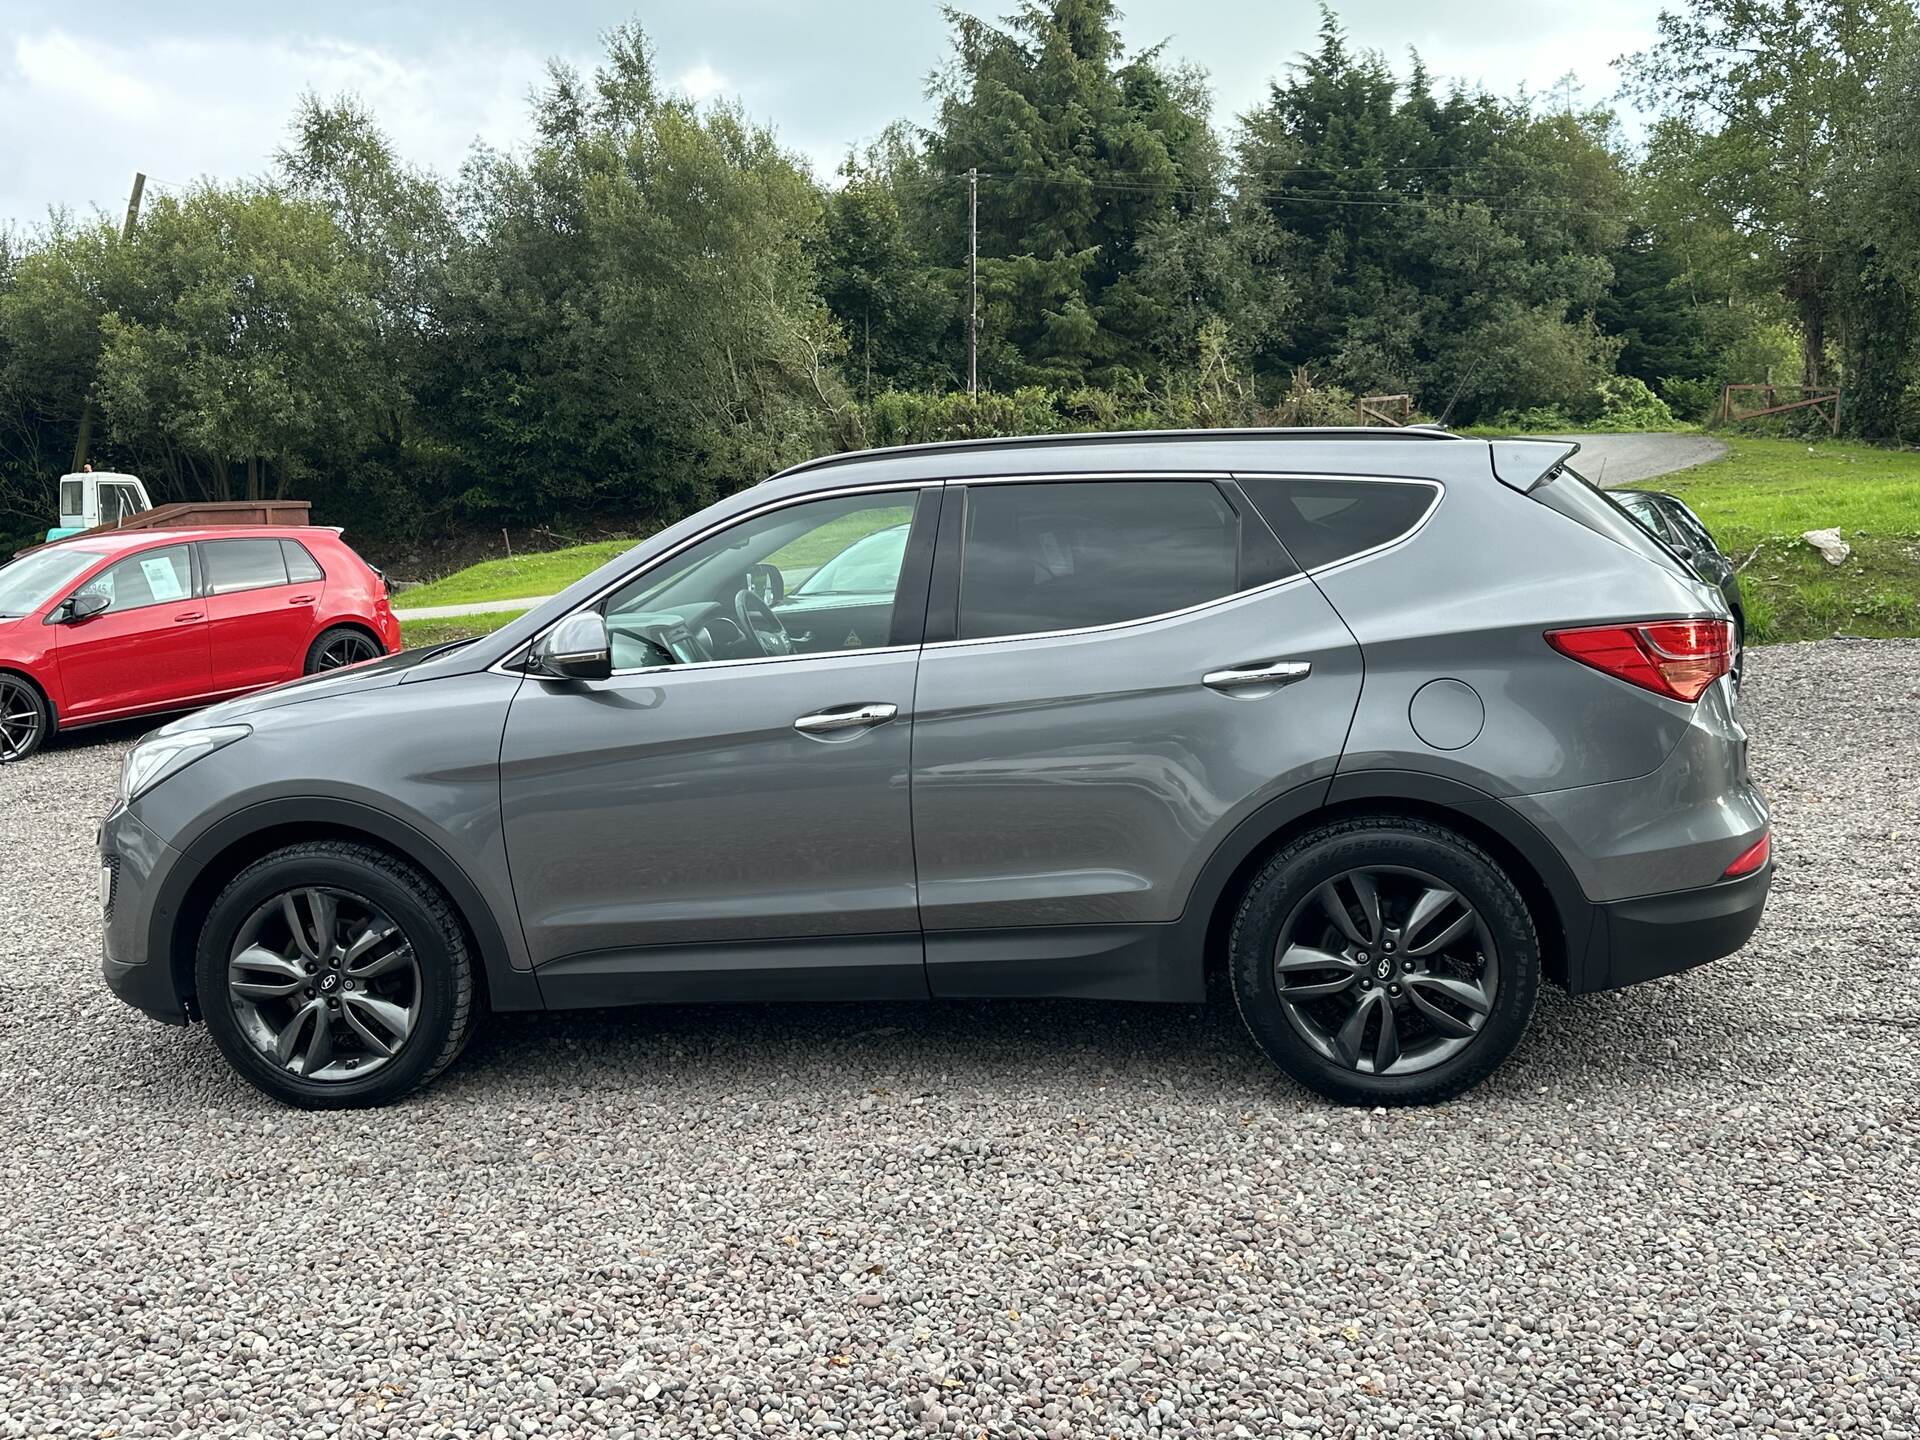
[1751, 858]
[1675, 658]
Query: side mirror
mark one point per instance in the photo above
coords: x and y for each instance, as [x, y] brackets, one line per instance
[767, 582]
[578, 648]
[83, 606]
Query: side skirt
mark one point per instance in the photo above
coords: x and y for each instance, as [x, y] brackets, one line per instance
[828, 967]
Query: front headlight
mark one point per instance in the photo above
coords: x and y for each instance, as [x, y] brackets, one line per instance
[161, 755]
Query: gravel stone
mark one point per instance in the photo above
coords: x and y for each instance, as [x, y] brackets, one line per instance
[1687, 1209]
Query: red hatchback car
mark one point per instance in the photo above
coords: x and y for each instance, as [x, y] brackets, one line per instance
[105, 627]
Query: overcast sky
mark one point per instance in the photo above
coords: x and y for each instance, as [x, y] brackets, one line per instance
[92, 91]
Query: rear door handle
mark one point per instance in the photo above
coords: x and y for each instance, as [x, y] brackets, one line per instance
[849, 717]
[301, 600]
[1271, 672]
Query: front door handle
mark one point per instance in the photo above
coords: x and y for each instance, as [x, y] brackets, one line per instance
[189, 618]
[847, 717]
[1271, 672]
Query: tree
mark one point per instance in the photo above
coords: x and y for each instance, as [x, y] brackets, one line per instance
[1761, 98]
[1082, 151]
[902, 316]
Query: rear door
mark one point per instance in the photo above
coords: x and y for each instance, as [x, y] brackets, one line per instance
[147, 650]
[259, 621]
[1124, 671]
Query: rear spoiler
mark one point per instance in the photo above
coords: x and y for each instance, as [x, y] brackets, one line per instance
[1525, 464]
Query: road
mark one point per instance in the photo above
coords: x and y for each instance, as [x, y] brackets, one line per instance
[1686, 1209]
[1628, 459]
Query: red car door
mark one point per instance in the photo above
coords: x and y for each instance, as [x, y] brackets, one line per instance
[147, 650]
[258, 622]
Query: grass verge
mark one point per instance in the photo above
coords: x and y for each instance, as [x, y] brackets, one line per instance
[1765, 494]
[418, 634]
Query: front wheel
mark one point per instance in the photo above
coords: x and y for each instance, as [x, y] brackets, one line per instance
[1384, 961]
[334, 975]
[24, 718]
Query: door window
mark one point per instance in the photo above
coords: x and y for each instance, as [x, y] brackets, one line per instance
[117, 503]
[243, 565]
[814, 577]
[1046, 557]
[153, 577]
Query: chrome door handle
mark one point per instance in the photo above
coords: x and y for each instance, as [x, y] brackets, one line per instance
[852, 717]
[1276, 672]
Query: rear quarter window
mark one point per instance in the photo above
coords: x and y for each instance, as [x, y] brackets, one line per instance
[1577, 498]
[301, 566]
[1321, 521]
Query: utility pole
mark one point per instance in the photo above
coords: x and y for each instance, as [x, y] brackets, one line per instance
[85, 434]
[973, 282]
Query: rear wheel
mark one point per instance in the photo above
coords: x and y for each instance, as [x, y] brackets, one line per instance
[334, 975]
[1385, 961]
[24, 718]
[339, 647]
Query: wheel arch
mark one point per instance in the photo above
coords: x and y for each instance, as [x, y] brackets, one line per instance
[349, 622]
[14, 672]
[1561, 911]
[231, 844]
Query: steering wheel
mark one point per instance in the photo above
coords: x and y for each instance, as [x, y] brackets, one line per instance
[761, 625]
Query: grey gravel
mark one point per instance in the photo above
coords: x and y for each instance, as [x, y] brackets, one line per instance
[1684, 1209]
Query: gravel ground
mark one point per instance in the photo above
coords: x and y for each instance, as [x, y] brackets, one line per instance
[1688, 1208]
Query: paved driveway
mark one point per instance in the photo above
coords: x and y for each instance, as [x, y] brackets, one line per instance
[1627, 459]
[1691, 1208]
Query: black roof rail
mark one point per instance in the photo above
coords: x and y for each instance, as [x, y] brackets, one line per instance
[1110, 437]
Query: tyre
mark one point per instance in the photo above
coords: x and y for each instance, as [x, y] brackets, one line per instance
[25, 718]
[1384, 961]
[342, 645]
[334, 975]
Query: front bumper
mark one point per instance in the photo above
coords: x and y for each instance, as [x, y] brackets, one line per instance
[1642, 939]
[133, 861]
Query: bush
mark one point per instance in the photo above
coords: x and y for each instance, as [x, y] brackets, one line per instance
[1693, 400]
[1625, 403]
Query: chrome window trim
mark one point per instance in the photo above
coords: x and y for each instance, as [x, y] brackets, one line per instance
[506, 665]
[514, 663]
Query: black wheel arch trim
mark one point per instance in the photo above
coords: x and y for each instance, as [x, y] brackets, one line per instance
[507, 988]
[1576, 956]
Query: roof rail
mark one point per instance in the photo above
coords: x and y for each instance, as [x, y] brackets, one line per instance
[1112, 437]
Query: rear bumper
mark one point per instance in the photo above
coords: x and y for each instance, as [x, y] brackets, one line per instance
[1642, 939]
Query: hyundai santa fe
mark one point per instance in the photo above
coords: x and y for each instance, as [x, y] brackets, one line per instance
[1384, 728]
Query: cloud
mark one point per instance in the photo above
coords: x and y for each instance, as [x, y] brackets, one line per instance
[703, 82]
[180, 108]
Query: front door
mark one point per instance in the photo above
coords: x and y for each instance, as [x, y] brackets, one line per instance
[726, 814]
[1127, 670]
[147, 650]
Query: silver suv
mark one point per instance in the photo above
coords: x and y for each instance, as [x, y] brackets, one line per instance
[1383, 727]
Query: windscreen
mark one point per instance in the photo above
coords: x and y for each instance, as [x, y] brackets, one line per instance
[32, 580]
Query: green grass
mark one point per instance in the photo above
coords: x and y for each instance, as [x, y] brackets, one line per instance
[418, 634]
[1766, 493]
[515, 579]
